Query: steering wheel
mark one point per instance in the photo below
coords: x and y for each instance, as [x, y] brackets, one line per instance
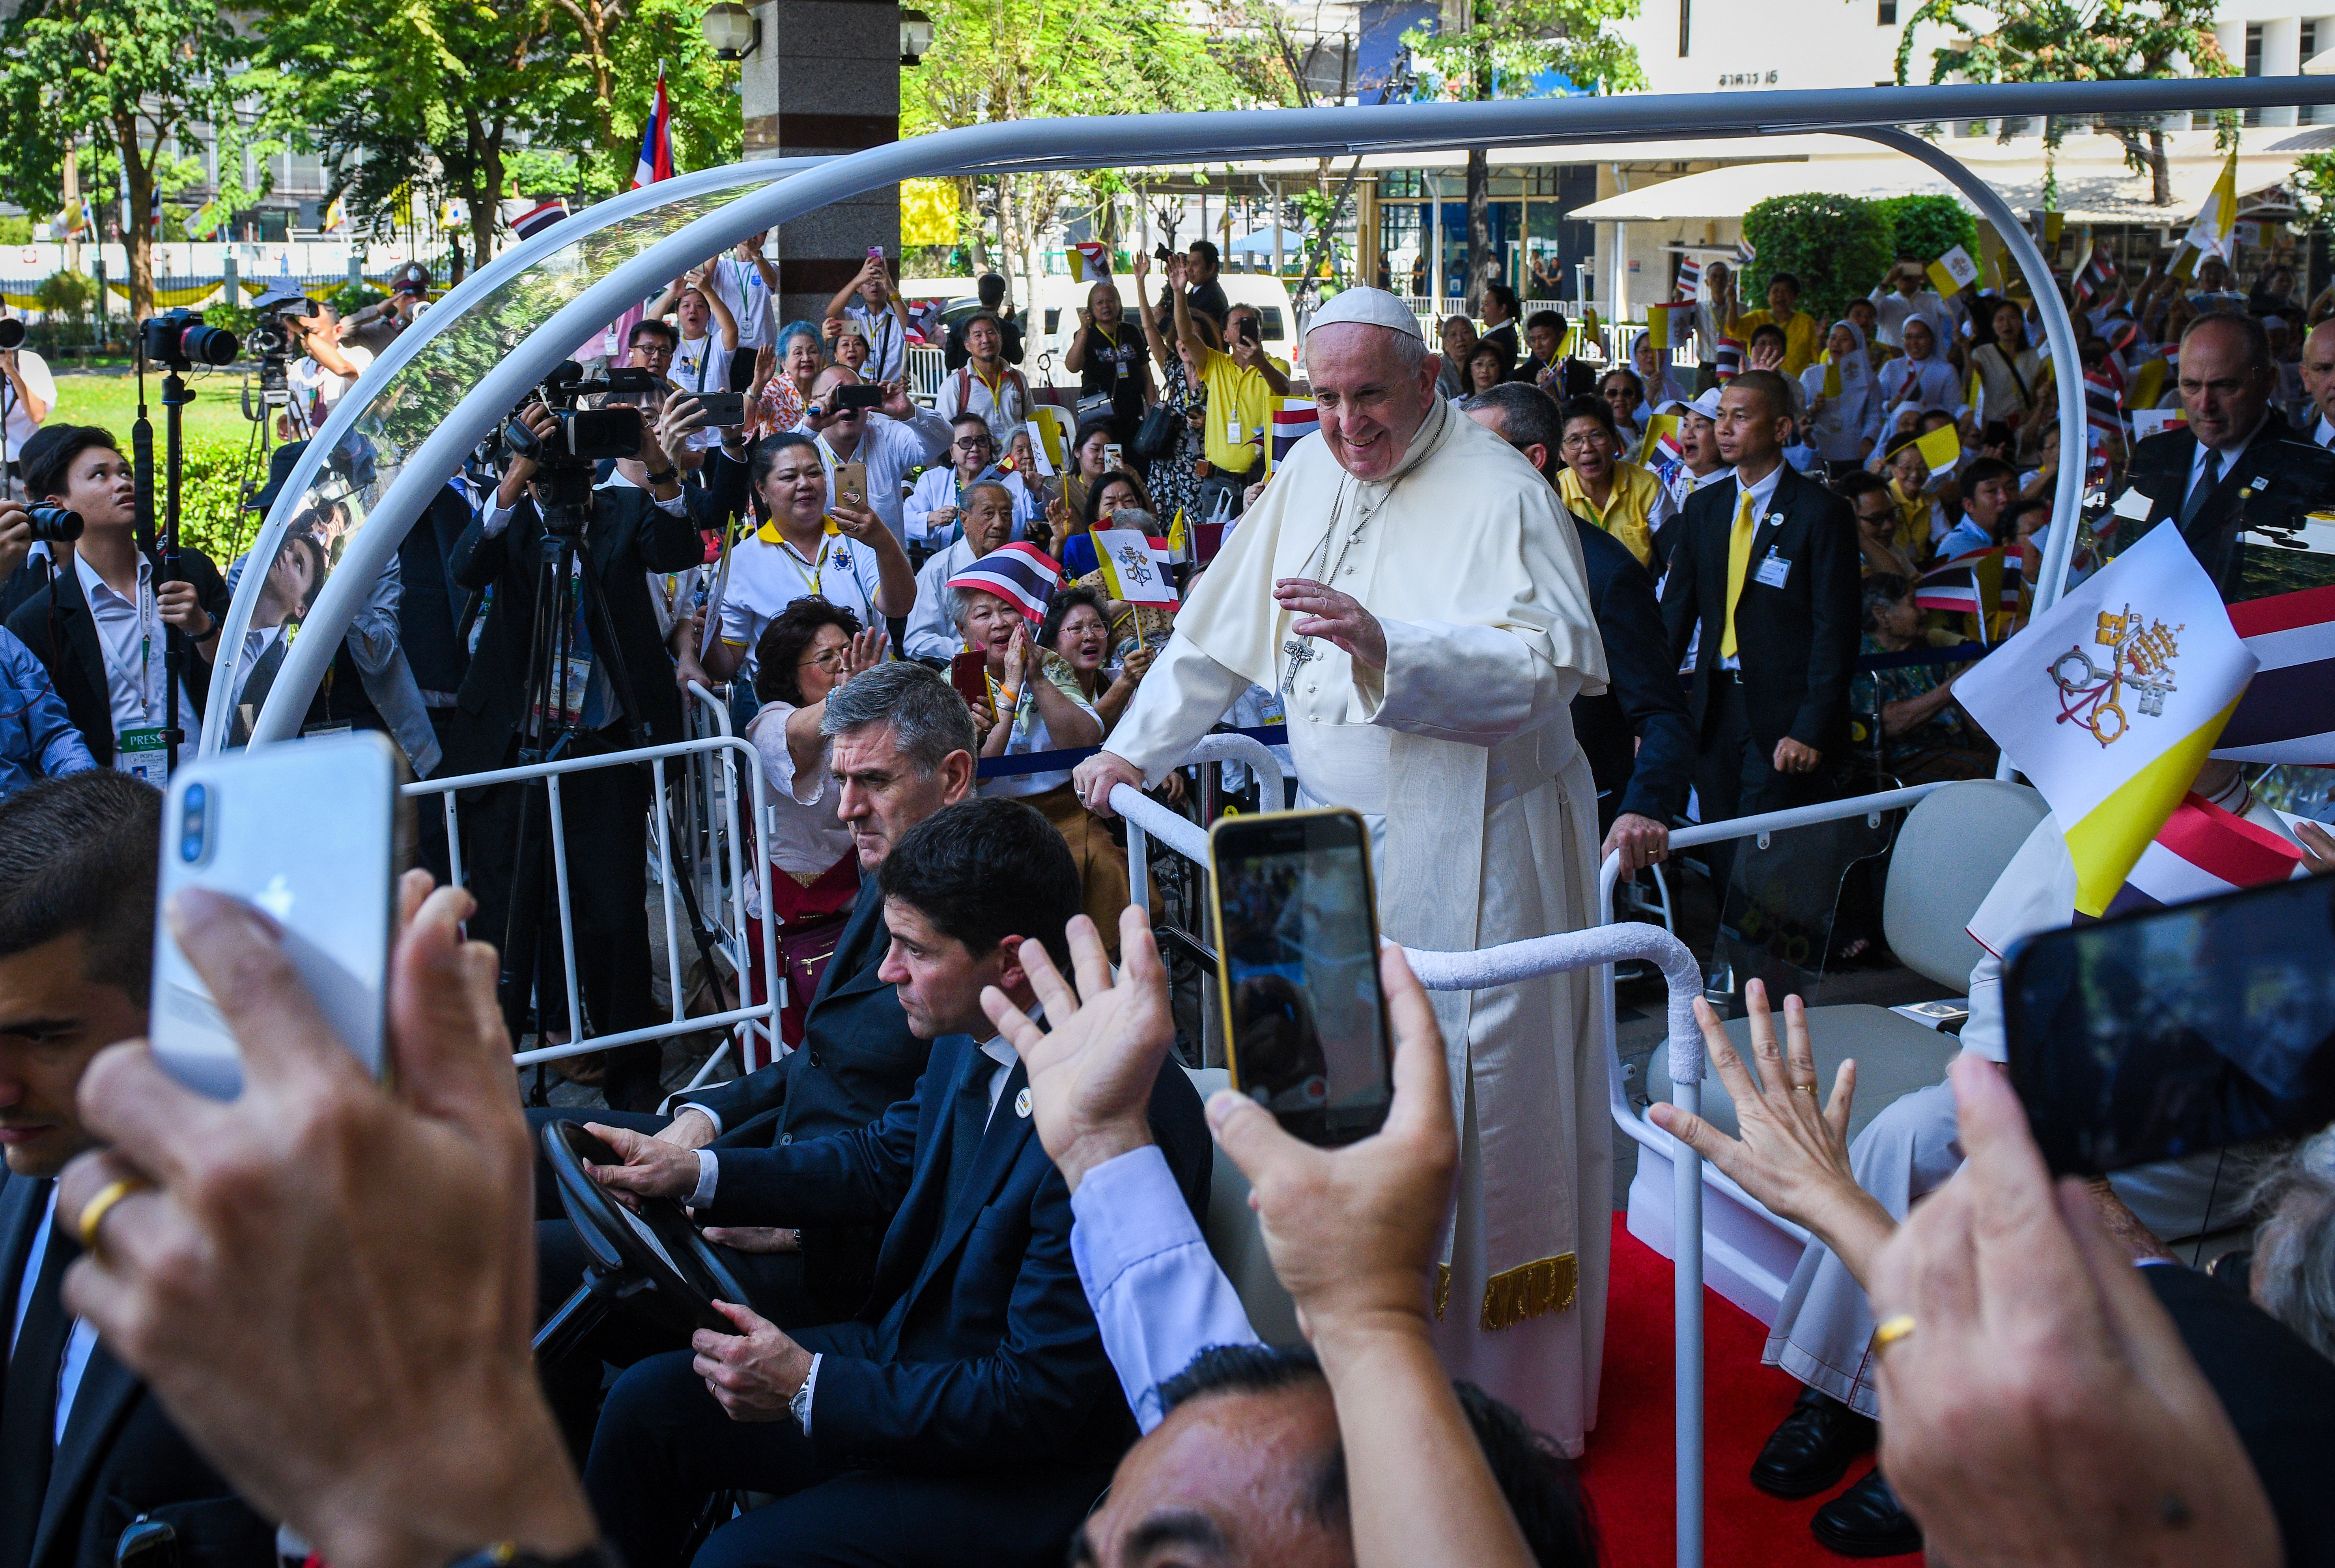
[652, 1259]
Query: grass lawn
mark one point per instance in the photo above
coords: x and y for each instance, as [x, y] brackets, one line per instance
[110, 399]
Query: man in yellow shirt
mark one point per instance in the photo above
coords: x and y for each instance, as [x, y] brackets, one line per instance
[1799, 328]
[1243, 384]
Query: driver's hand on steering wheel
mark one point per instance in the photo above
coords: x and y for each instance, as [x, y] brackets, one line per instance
[755, 1373]
[653, 1168]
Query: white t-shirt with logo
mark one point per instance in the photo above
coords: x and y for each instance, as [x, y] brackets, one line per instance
[766, 576]
[739, 283]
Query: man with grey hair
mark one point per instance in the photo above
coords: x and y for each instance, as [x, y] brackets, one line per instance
[901, 747]
[1408, 585]
[2237, 479]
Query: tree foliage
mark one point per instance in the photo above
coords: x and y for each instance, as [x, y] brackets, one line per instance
[1837, 247]
[2080, 41]
[999, 60]
[112, 84]
[1511, 49]
[1930, 225]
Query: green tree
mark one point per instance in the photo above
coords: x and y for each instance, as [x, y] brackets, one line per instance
[998, 60]
[121, 81]
[2065, 41]
[413, 96]
[1930, 225]
[1489, 49]
[1836, 246]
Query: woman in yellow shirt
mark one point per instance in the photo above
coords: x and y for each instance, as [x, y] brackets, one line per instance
[1799, 327]
[1625, 500]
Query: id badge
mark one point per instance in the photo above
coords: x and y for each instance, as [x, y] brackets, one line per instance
[143, 752]
[1774, 572]
[1231, 433]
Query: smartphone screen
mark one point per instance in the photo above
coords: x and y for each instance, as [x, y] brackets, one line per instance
[858, 397]
[969, 673]
[2176, 1031]
[1306, 1024]
[851, 483]
[722, 409]
[307, 832]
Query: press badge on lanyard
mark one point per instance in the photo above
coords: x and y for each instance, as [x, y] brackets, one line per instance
[1774, 571]
[146, 752]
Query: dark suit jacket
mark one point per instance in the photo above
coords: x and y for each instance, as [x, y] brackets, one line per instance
[77, 663]
[2281, 475]
[1797, 642]
[1635, 733]
[630, 536]
[2278, 1392]
[121, 1457]
[977, 1350]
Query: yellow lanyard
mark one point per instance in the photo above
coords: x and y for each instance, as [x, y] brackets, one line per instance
[808, 571]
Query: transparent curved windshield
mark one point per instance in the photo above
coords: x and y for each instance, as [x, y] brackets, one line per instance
[328, 514]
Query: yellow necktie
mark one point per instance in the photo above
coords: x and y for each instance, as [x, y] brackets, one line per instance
[1739, 561]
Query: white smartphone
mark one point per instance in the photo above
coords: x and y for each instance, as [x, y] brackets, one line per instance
[307, 832]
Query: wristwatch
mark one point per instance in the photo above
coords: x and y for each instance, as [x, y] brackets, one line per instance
[670, 477]
[510, 1554]
[798, 1407]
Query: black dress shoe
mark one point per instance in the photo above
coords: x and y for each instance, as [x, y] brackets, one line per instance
[1866, 1522]
[1811, 1450]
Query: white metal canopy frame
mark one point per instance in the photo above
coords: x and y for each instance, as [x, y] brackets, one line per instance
[449, 380]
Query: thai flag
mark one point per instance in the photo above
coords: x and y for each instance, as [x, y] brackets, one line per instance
[655, 161]
[1689, 276]
[529, 224]
[2103, 402]
[2097, 277]
[1022, 574]
[1975, 584]
[2288, 711]
[1293, 422]
[2203, 851]
[1727, 361]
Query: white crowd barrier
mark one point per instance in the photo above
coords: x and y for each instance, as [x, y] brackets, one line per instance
[709, 801]
[1600, 947]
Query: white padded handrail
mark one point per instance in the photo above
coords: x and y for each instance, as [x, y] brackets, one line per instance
[1181, 834]
[1515, 961]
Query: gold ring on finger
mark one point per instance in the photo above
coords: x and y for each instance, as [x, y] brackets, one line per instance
[1807, 1088]
[1890, 1330]
[93, 1212]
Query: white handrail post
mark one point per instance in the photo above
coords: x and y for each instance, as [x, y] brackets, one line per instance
[1686, 1288]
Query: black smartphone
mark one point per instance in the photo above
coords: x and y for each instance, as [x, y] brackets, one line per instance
[858, 397]
[723, 409]
[1297, 965]
[2179, 1030]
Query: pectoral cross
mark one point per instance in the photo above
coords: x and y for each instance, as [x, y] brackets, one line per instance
[1301, 650]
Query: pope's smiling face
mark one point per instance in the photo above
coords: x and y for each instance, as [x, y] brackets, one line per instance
[1373, 386]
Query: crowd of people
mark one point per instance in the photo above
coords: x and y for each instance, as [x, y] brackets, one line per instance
[966, 1207]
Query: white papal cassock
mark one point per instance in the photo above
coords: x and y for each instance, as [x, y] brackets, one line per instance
[1484, 826]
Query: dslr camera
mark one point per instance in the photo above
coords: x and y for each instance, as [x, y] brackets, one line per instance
[177, 340]
[12, 334]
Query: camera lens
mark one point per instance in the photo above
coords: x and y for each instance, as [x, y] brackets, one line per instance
[54, 523]
[192, 810]
[208, 344]
[12, 334]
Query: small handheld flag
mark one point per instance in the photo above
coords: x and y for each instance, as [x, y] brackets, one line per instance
[1953, 272]
[1690, 277]
[2202, 852]
[1293, 419]
[2288, 713]
[1941, 449]
[1831, 379]
[1090, 261]
[1727, 361]
[1022, 574]
[1134, 567]
[655, 161]
[535, 220]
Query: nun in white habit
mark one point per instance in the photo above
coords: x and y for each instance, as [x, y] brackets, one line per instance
[1411, 587]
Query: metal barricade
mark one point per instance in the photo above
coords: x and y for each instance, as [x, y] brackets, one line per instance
[720, 820]
[927, 368]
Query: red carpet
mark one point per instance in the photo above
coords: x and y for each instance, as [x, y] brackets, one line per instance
[1629, 1462]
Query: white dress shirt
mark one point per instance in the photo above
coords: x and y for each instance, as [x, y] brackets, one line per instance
[129, 633]
[79, 1341]
[889, 448]
[888, 342]
[939, 487]
[2323, 432]
[1157, 1294]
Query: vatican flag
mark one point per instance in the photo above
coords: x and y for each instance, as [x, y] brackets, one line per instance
[2209, 235]
[2109, 701]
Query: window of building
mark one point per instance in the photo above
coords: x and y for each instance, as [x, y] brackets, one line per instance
[1686, 19]
[1885, 13]
[2253, 63]
[2309, 39]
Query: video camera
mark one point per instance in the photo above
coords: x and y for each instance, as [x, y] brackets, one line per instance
[594, 425]
[271, 333]
[177, 340]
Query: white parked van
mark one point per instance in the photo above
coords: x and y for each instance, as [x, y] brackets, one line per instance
[1053, 318]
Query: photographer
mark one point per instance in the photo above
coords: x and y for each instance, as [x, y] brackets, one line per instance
[636, 523]
[375, 327]
[103, 622]
[328, 368]
[891, 437]
[28, 393]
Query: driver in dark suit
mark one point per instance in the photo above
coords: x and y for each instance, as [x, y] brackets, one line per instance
[902, 744]
[2238, 468]
[85, 1448]
[968, 1411]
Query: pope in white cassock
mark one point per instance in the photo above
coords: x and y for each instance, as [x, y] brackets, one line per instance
[1415, 591]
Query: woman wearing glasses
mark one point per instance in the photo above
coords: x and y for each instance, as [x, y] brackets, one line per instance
[934, 513]
[803, 655]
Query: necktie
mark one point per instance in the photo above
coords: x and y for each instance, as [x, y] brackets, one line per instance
[970, 1120]
[28, 1409]
[1739, 561]
[2209, 477]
